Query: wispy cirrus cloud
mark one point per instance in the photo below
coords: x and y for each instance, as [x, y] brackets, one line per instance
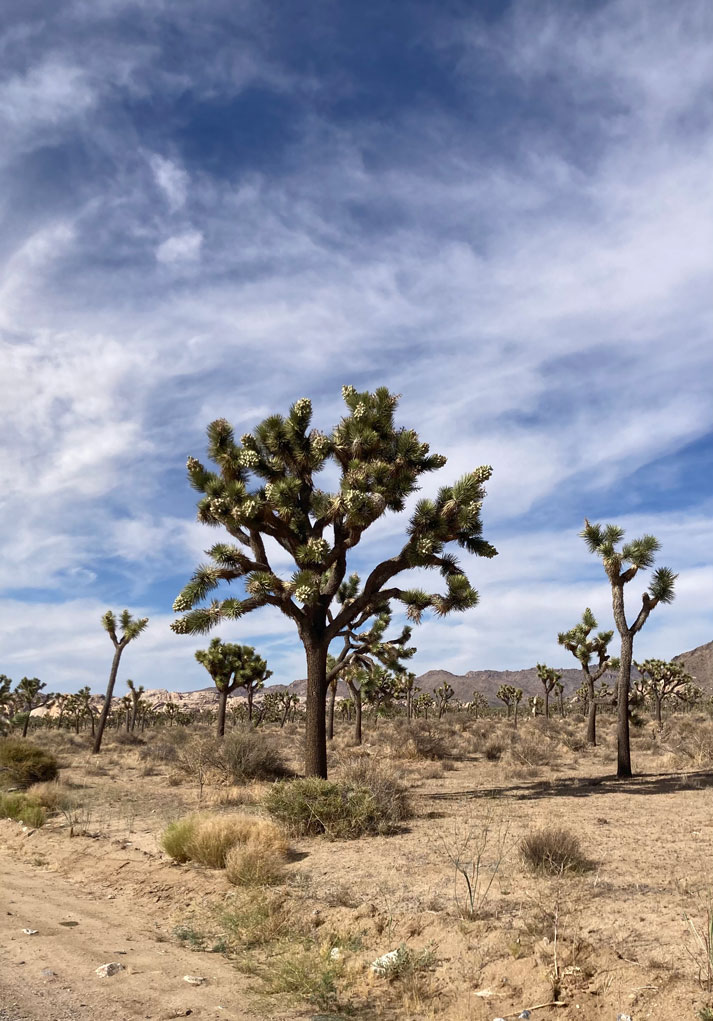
[509, 221]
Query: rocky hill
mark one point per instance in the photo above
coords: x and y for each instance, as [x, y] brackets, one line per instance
[699, 663]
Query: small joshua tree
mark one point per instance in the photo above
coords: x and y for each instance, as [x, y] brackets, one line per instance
[6, 700]
[549, 678]
[231, 667]
[265, 488]
[130, 629]
[443, 696]
[663, 679]
[478, 704]
[135, 696]
[27, 697]
[505, 693]
[583, 647]
[621, 566]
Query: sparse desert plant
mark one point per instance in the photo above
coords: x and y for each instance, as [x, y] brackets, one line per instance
[405, 961]
[554, 850]
[702, 949]
[208, 839]
[24, 764]
[260, 920]
[533, 750]
[476, 849]
[345, 810]
[385, 786]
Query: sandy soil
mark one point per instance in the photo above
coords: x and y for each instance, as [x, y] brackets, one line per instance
[622, 940]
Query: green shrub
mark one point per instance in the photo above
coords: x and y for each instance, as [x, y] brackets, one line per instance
[22, 809]
[422, 739]
[23, 763]
[344, 809]
[554, 850]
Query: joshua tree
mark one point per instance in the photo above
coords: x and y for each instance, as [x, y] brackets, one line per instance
[549, 677]
[288, 704]
[638, 555]
[479, 704]
[578, 641]
[265, 487]
[6, 700]
[443, 696]
[230, 667]
[81, 708]
[130, 629]
[506, 693]
[27, 697]
[663, 679]
[135, 695]
[422, 704]
[407, 689]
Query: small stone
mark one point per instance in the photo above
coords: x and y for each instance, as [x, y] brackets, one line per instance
[526, 1014]
[335, 954]
[381, 964]
[624, 1017]
[107, 970]
[30, 932]
[194, 980]
[48, 973]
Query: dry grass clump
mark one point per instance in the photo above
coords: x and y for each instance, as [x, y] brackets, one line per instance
[22, 809]
[22, 763]
[128, 739]
[494, 748]
[51, 795]
[554, 850]
[370, 798]
[252, 850]
[159, 751]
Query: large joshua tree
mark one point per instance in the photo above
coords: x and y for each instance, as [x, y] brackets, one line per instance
[130, 629]
[621, 566]
[265, 493]
[578, 641]
[231, 667]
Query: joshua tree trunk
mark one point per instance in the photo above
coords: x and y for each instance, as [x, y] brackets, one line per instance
[622, 727]
[107, 699]
[547, 704]
[561, 703]
[658, 699]
[330, 718]
[315, 724]
[26, 724]
[591, 716]
[222, 705]
[515, 720]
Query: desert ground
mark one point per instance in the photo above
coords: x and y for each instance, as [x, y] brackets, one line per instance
[618, 936]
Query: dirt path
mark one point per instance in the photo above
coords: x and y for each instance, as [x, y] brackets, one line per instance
[51, 976]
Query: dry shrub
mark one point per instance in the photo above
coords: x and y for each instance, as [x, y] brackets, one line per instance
[554, 850]
[533, 750]
[23, 763]
[253, 864]
[247, 754]
[422, 739]
[494, 748]
[209, 840]
[369, 799]
[127, 738]
[160, 751]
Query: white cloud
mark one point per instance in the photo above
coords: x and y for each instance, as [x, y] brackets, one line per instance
[171, 179]
[180, 248]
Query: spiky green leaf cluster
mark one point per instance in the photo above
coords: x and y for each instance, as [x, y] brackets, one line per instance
[578, 641]
[233, 666]
[264, 487]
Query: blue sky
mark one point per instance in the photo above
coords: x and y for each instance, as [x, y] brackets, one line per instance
[503, 212]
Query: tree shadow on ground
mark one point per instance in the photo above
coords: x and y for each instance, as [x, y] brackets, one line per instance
[583, 787]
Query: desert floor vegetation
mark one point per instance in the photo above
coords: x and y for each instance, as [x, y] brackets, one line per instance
[496, 884]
